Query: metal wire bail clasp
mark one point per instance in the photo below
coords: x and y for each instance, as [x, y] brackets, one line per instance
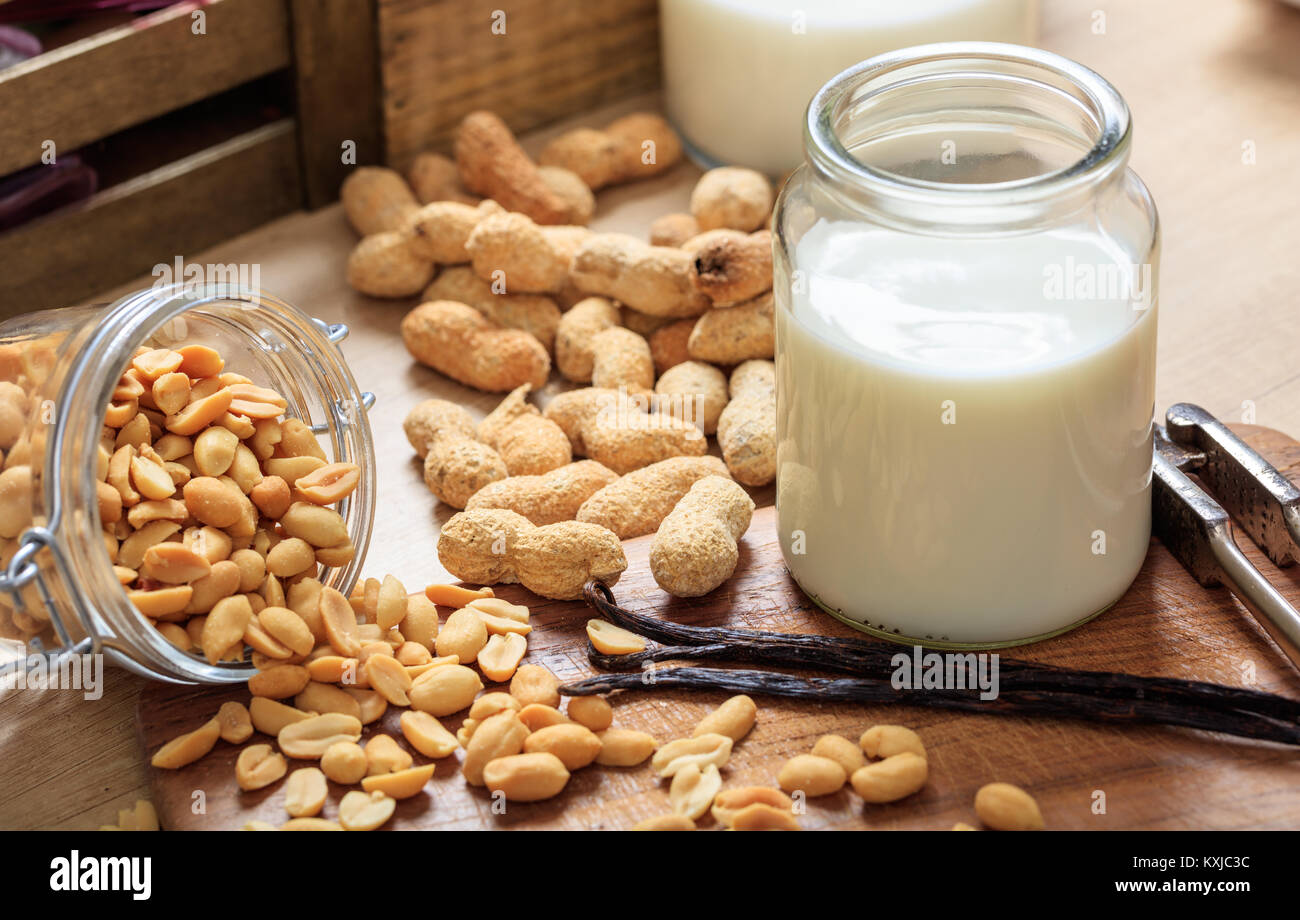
[337, 332]
[22, 571]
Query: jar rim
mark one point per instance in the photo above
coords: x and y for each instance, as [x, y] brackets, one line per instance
[828, 155]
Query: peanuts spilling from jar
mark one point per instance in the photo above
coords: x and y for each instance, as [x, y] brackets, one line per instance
[382, 647]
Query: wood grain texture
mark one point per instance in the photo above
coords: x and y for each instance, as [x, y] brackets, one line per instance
[544, 61]
[334, 59]
[66, 256]
[1151, 777]
[126, 75]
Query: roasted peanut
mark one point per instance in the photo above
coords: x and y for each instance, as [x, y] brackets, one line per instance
[729, 802]
[339, 622]
[463, 635]
[576, 332]
[1004, 807]
[553, 561]
[259, 766]
[500, 657]
[365, 811]
[187, 748]
[319, 697]
[526, 777]
[696, 549]
[763, 817]
[269, 716]
[732, 196]
[637, 503]
[399, 784]
[692, 790]
[528, 443]
[624, 747]
[344, 762]
[376, 199]
[593, 712]
[383, 265]
[492, 164]
[303, 824]
[700, 750]
[732, 335]
[429, 417]
[310, 738]
[288, 628]
[731, 266]
[538, 716]
[665, 823]
[635, 146]
[499, 735]
[812, 775]
[747, 426]
[891, 779]
[280, 682]
[385, 755]
[694, 392]
[427, 735]
[225, 625]
[734, 718]
[657, 280]
[466, 346]
[305, 792]
[533, 683]
[235, 721]
[445, 690]
[609, 639]
[575, 745]
[387, 677]
[841, 750]
[887, 740]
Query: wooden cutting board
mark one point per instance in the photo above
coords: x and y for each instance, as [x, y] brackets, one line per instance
[1084, 776]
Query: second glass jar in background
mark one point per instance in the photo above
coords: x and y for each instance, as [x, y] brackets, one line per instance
[738, 74]
[966, 327]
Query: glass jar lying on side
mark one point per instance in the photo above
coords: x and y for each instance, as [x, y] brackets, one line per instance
[965, 349]
[64, 366]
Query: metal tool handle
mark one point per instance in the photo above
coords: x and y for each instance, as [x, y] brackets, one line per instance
[1197, 530]
[1262, 501]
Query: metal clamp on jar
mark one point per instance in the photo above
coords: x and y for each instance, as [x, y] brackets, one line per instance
[59, 593]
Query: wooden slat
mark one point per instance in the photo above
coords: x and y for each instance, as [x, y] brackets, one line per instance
[99, 85]
[179, 209]
[337, 78]
[442, 60]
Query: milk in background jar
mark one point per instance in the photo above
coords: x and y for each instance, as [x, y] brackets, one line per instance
[965, 352]
[738, 74]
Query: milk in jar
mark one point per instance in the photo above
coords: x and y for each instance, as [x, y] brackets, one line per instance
[965, 369]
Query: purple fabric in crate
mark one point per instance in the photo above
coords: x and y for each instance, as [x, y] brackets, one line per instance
[37, 190]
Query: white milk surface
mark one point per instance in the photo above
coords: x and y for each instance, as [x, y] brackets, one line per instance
[739, 74]
[965, 446]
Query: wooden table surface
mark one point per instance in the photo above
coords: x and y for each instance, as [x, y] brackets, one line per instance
[1214, 87]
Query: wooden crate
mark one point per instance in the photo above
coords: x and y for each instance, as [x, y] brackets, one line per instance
[136, 86]
[545, 60]
[384, 79]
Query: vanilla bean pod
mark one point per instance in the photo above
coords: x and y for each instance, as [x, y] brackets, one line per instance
[857, 690]
[859, 657]
[1012, 677]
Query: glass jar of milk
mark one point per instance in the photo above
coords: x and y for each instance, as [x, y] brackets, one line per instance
[966, 275]
[739, 73]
